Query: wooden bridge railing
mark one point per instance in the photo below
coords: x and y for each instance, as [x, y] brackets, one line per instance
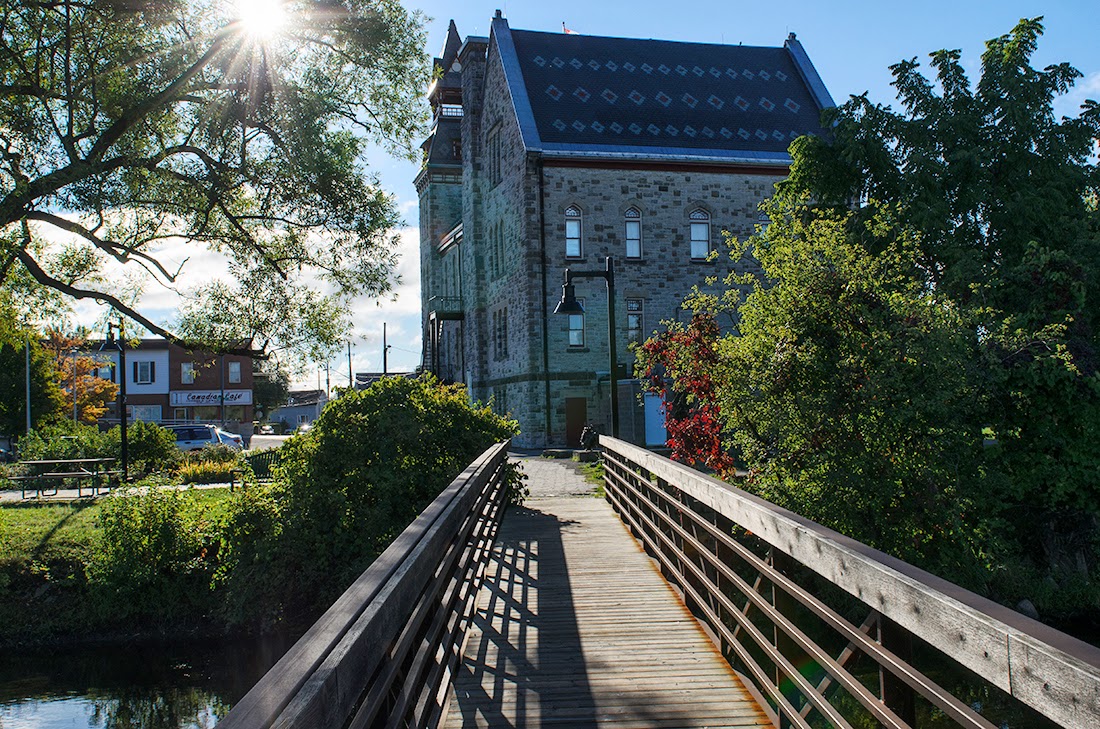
[383, 654]
[756, 575]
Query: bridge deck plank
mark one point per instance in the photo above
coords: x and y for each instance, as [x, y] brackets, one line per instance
[576, 628]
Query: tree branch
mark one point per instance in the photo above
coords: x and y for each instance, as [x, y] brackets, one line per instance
[45, 279]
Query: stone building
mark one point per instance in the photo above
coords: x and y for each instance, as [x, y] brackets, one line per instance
[551, 151]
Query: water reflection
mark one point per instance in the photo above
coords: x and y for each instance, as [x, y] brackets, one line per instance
[151, 687]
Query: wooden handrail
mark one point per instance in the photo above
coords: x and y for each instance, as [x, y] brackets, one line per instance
[397, 629]
[687, 520]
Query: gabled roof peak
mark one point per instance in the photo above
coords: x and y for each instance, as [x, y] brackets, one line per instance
[449, 54]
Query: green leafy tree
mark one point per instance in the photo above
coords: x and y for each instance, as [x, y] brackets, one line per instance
[1003, 196]
[131, 124]
[46, 400]
[918, 364]
[270, 386]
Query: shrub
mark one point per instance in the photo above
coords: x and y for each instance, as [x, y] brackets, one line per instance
[214, 453]
[152, 449]
[372, 462]
[206, 472]
[65, 439]
[155, 557]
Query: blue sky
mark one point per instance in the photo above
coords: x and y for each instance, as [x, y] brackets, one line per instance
[852, 44]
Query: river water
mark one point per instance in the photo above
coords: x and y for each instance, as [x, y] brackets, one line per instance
[171, 686]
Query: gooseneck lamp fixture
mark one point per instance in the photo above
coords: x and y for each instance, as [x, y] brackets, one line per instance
[570, 305]
[119, 345]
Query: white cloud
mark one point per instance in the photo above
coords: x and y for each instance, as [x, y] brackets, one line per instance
[1085, 88]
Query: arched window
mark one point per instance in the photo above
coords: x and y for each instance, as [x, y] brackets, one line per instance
[700, 234]
[633, 233]
[573, 232]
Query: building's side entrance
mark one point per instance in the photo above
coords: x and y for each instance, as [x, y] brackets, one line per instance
[576, 415]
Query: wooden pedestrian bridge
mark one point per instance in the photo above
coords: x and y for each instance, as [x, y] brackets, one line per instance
[679, 601]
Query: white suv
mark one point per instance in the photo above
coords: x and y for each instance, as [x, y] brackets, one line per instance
[197, 437]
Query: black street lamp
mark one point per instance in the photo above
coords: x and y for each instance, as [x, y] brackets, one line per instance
[570, 305]
[119, 345]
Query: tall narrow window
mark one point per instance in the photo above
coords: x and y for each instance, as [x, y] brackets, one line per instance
[235, 372]
[633, 233]
[700, 234]
[573, 232]
[634, 310]
[187, 373]
[576, 328]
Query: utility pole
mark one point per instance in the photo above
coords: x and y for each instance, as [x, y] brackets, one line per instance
[328, 381]
[385, 351]
[28, 344]
[351, 375]
[73, 353]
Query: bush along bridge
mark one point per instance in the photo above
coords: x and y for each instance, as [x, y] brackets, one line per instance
[557, 615]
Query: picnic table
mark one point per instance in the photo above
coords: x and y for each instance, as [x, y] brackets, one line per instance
[43, 478]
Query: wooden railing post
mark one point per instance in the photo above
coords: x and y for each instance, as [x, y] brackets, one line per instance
[895, 693]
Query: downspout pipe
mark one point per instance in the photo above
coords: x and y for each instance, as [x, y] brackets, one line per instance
[545, 306]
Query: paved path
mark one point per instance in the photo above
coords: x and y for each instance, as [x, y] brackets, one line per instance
[576, 628]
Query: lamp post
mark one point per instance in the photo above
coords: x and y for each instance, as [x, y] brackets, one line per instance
[119, 345]
[570, 305]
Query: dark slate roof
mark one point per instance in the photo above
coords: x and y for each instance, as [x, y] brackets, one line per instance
[446, 139]
[652, 98]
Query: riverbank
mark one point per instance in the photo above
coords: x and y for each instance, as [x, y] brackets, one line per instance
[61, 563]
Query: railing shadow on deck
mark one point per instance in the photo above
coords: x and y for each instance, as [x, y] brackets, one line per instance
[383, 654]
[743, 566]
[529, 614]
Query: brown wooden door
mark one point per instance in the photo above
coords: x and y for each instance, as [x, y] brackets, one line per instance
[576, 415]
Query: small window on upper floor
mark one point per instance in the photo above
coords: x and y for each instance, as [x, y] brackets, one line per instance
[700, 234]
[145, 373]
[573, 232]
[633, 233]
[187, 373]
[235, 373]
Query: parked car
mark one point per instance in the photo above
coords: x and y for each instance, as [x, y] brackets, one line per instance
[197, 437]
[304, 427]
[231, 439]
[267, 429]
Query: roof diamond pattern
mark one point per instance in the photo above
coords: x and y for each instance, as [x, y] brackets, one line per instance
[689, 95]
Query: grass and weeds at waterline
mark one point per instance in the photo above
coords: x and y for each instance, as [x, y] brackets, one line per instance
[133, 563]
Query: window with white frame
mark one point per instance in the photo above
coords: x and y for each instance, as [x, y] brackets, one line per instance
[576, 328]
[634, 324]
[235, 373]
[633, 233]
[145, 373]
[573, 232]
[700, 234]
[187, 373]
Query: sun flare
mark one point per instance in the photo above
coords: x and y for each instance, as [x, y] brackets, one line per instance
[261, 19]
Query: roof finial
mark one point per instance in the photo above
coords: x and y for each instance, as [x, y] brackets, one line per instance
[498, 15]
[791, 37]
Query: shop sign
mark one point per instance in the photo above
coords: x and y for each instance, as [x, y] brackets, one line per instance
[189, 398]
